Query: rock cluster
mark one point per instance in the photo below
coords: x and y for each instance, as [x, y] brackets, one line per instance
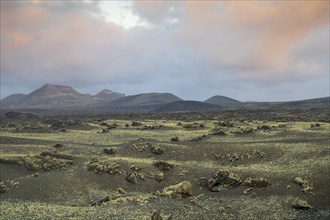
[179, 190]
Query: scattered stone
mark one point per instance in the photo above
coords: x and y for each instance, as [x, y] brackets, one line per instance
[223, 179]
[264, 127]
[135, 168]
[222, 209]
[175, 139]
[109, 151]
[131, 177]
[141, 139]
[112, 126]
[35, 174]
[136, 124]
[3, 187]
[244, 131]
[260, 182]
[105, 166]
[298, 180]
[317, 125]
[234, 157]
[121, 191]
[125, 198]
[203, 181]
[301, 205]
[14, 184]
[199, 138]
[247, 190]
[140, 147]
[180, 190]
[225, 124]
[162, 165]
[104, 130]
[157, 150]
[217, 132]
[156, 215]
[10, 161]
[158, 176]
[58, 145]
[151, 127]
[303, 183]
[47, 161]
[100, 201]
[192, 126]
[259, 153]
[57, 155]
[282, 126]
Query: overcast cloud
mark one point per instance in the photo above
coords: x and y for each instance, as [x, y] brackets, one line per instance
[248, 50]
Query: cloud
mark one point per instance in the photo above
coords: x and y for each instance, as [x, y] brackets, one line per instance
[250, 34]
[74, 47]
[158, 12]
[194, 49]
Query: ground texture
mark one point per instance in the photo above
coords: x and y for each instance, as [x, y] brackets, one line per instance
[131, 168]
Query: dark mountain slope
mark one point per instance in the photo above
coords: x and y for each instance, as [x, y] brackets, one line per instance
[187, 106]
[108, 95]
[144, 99]
[12, 99]
[224, 102]
[305, 104]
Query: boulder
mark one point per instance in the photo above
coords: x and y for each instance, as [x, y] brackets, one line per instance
[301, 204]
[258, 182]
[304, 184]
[223, 179]
[179, 190]
[162, 165]
[157, 150]
[131, 177]
[109, 151]
[156, 215]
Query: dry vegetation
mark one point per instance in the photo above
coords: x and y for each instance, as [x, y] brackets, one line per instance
[224, 167]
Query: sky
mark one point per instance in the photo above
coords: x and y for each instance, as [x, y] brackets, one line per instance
[247, 50]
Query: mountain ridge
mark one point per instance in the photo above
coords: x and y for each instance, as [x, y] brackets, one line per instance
[224, 101]
[65, 97]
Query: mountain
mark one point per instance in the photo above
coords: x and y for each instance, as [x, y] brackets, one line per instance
[108, 95]
[187, 106]
[145, 99]
[65, 97]
[224, 102]
[53, 96]
[12, 99]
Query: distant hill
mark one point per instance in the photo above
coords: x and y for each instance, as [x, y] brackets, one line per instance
[187, 106]
[12, 99]
[52, 96]
[145, 99]
[108, 95]
[65, 97]
[224, 102]
[305, 104]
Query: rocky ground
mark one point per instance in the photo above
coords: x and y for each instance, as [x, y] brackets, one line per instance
[219, 168]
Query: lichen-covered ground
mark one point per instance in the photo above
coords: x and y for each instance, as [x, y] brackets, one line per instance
[59, 169]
